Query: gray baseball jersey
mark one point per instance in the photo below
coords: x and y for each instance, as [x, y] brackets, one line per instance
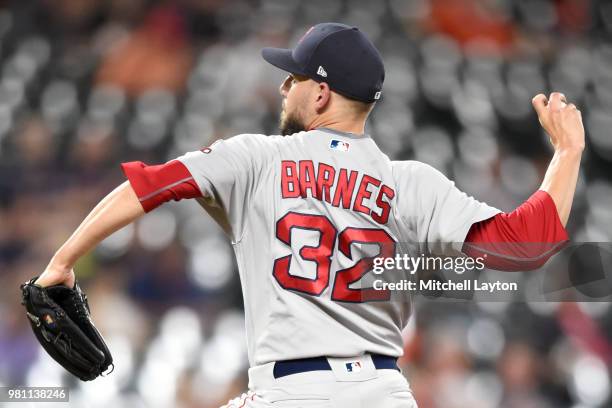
[301, 211]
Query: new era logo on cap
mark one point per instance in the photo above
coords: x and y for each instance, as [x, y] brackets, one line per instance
[338, 145]
[321, 71]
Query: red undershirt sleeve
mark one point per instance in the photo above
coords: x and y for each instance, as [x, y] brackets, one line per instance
[154, 185]
[521, 240]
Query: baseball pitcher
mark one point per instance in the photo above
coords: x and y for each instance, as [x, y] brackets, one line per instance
[308, 210]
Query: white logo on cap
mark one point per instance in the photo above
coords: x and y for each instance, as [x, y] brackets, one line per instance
[321, 71]
[377, 95]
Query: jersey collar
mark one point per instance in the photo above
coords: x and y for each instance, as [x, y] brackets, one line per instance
[344, 134]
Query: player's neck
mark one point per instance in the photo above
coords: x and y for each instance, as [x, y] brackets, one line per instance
[356, 127]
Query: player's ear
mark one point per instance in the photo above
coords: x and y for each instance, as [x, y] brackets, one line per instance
[322, 96]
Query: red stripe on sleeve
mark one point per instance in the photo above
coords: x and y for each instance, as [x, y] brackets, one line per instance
[155, 185]
[521, 240]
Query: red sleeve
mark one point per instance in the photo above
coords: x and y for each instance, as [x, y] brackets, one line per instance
[154, 185]
[521, 240]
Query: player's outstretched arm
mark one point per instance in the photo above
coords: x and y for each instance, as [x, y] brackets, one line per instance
[528, 236]
[563, 123]
[115, 211]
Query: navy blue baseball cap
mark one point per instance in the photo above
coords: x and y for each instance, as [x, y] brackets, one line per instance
[338, 54]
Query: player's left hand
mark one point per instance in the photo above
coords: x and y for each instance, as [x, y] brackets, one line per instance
[61, 322]
[55, 275]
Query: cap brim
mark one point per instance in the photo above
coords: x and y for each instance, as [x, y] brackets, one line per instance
[281, 58]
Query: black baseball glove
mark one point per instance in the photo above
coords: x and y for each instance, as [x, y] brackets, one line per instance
[61, 322]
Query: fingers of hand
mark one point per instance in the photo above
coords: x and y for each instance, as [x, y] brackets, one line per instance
[572, 107]
[554, 105]
[562, 121]
[539, 103]
[557, 101]
[539, 100]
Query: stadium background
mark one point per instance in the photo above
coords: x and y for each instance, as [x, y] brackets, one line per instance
[87, 84]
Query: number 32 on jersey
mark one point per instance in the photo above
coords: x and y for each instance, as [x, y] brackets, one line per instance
[322, 255]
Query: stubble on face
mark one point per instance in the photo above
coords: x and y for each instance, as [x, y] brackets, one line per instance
[290, 123]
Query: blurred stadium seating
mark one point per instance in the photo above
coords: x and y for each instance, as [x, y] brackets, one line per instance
[87, 84]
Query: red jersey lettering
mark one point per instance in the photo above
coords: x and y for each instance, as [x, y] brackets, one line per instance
[385, 207]
[308, 180]
[289, 179]
[325, 181]
[344, 189]
[364, 194]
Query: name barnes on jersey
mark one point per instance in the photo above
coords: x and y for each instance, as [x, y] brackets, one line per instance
[298, 178]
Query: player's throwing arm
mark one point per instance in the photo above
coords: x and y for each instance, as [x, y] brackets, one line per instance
[563, 123]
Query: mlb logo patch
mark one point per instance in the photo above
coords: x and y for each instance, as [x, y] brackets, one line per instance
[353, 367]
[338, 145]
